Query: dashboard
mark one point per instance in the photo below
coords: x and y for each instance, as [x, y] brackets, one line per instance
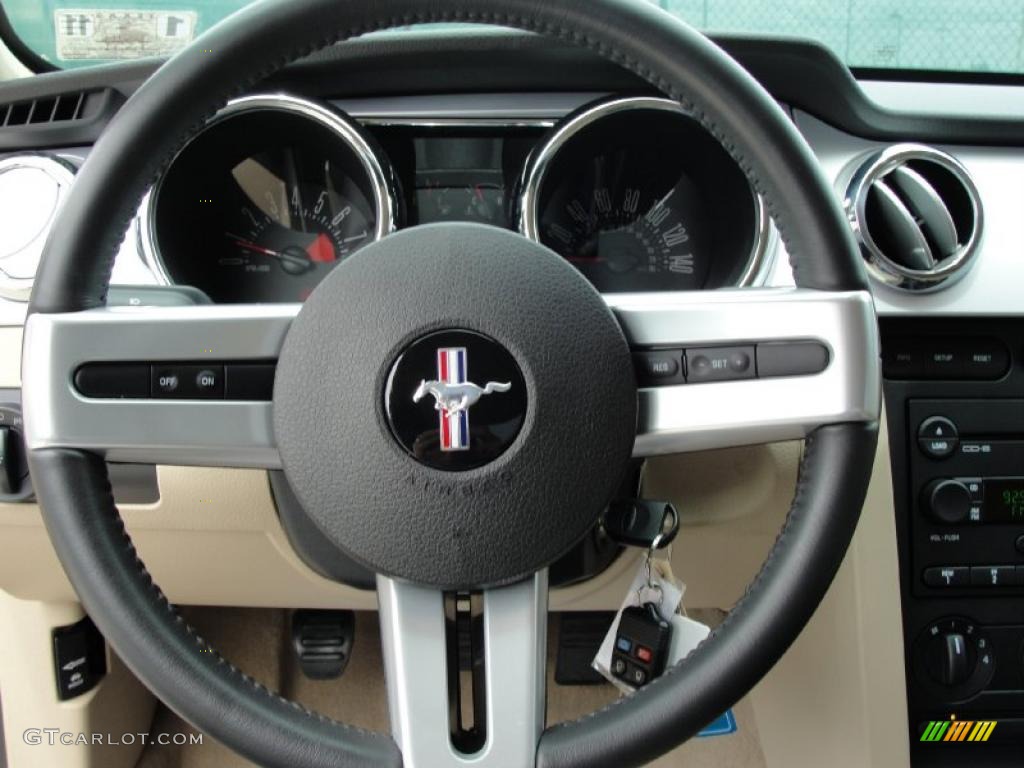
[277, 190]
[286, 183]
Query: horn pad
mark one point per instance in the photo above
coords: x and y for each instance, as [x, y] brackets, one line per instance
[454, 405]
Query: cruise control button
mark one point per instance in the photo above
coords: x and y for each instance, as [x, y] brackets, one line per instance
[166, 382]
[210, 382]
[188, 382]
[657, 368]
[719, 364]
[791, 358]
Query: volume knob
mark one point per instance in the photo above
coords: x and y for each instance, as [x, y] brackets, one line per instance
[947, 501]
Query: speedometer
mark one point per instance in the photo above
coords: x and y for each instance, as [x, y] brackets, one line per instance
[272, 195]
[639, 197]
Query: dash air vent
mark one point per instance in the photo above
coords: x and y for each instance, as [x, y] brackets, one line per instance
[51, 109]
[917, 216]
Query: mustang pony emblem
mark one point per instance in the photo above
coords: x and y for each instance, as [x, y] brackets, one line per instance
[454, 396]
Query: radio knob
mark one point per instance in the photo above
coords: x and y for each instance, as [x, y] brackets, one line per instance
[947, 501]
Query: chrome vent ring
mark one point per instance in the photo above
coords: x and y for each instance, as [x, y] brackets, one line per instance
[917, 216]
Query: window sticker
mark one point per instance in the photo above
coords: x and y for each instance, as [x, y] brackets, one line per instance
[105, 34]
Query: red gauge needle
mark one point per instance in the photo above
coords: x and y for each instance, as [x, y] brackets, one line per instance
[288, 258]
[251, 246]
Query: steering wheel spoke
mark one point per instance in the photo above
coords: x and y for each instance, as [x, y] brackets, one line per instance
[417, 663]
[758, 406]
[169, 430]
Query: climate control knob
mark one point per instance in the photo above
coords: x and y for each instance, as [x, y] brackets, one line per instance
[947, 501]
[953, 659]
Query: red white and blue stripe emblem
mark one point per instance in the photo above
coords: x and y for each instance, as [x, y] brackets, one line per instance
[451, 369]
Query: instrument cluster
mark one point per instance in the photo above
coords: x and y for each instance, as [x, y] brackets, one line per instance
[276, 190]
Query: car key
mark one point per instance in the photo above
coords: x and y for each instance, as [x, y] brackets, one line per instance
[641, 523]
[641, 645]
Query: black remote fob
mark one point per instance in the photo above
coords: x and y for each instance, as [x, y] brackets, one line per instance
[641, 645]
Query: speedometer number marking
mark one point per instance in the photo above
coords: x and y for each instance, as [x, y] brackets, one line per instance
[677, 235]
[658, 214]
[681, 265]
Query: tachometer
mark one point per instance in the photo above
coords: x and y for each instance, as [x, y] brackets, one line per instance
[639, 197]
[272, 195]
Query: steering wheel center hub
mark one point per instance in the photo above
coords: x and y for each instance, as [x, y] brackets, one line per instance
[455, 405]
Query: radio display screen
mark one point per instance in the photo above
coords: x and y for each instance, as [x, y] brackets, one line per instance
[1004, 500]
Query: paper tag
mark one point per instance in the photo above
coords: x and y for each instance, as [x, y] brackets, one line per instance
[687, 634]
[666, 592]
[91, 33]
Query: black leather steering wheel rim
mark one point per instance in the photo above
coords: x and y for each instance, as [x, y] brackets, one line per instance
[72, 487]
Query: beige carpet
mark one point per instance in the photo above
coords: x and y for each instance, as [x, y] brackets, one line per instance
[257, 641]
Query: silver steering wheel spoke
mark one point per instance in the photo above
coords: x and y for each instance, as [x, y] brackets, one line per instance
[213, 432]
[702, 415]
[239, 433]
[416, 663]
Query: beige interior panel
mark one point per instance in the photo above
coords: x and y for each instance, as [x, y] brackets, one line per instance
[117, 706]
[837, 697]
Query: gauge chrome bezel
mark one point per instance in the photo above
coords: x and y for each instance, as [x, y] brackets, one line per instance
[869, 168]
[759, 262]
[377, 169]
[62, 171]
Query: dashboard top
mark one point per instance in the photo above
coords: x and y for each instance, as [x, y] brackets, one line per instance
[494, 86]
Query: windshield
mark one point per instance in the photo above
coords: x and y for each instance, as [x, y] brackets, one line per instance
[963, 36]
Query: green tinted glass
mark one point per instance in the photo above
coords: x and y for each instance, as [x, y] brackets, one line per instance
[978, 36]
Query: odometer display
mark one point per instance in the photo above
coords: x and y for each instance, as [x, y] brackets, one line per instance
[641, 198]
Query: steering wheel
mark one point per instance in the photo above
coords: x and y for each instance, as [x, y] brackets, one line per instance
[496, 521]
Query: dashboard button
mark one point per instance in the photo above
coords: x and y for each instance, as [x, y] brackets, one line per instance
[660, 367]
[945, 359]
[985, 359]
[993, 576]
[720, 364]
[188, 382]
[166, 382]
[903, 359]
[791, 358]
[947, 576]
[113, 380]
[210, 382]
[249, 381]
[938, 437]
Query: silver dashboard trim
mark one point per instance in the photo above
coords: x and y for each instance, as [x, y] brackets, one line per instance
[415, 665]
[876, 165]
[385, 200]
[758, 264]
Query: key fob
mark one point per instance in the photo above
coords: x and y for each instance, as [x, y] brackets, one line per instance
[641, 645]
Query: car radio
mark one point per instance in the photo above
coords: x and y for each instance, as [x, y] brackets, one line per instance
[955, 405]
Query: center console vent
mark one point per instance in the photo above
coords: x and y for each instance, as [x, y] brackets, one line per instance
[917, 216]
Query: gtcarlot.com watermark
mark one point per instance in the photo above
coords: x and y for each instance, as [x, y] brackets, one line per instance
[53, 736]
